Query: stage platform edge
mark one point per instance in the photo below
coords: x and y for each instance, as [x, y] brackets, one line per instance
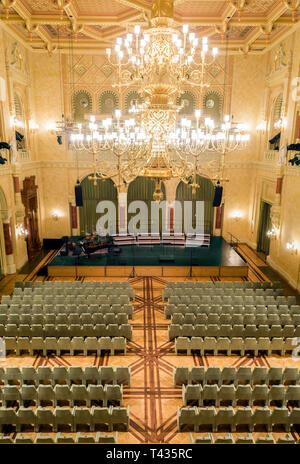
[157, 271]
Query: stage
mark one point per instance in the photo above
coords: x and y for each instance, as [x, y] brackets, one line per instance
[219, 259]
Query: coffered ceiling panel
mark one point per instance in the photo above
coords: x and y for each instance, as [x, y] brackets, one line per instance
[236, 25]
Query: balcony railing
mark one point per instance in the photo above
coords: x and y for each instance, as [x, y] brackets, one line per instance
[24, 155]
[271, 156]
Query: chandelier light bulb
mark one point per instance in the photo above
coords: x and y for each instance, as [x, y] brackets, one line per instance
[140, 58]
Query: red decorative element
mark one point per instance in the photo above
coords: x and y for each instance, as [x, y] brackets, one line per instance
[298, 127]
[74, 217]
[7, 239]
[171, 219]
[16, 184]
[219, 212]
[279, 185]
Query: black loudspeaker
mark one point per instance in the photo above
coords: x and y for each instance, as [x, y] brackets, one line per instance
[218, 196]
[78, 194]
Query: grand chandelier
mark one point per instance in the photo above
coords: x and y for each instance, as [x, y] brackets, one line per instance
[153, 140]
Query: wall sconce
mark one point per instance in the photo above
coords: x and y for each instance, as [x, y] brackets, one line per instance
[262, 126]
[14, 122]
[237, 216]
[273, 233]
[282, 122]
[56, 215]
[292, 248]
[21, 231]
[51, 127]
[33, 125]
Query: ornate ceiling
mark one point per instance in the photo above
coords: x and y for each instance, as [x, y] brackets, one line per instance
[251, 26]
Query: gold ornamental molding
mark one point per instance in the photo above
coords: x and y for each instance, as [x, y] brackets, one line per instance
[94, 32]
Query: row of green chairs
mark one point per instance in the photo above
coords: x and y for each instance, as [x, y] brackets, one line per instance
[59, 438]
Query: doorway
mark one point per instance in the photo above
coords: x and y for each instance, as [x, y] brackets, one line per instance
[263, 241]
[29, 199]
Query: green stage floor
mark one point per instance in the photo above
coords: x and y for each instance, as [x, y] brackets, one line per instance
[219, 253]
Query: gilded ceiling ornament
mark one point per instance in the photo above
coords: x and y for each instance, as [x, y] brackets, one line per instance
[162, 9]
[61, 5]
[239, 5]
[7, 4]
[293, 6]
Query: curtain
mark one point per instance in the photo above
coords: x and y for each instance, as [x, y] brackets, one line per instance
[263, 242]
[92, 195]
[204, 193]
[142, 189]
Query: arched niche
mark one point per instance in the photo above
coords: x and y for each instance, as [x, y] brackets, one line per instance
[133, 95]
[188, 100]
[81, 104]
[205, 193]
[212, 106]
[142, 189]
[105, 190]
[108, 102]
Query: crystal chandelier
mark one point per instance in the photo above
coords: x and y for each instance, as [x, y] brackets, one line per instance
[152, 140]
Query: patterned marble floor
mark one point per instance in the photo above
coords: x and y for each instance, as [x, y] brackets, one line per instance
[152, 397]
